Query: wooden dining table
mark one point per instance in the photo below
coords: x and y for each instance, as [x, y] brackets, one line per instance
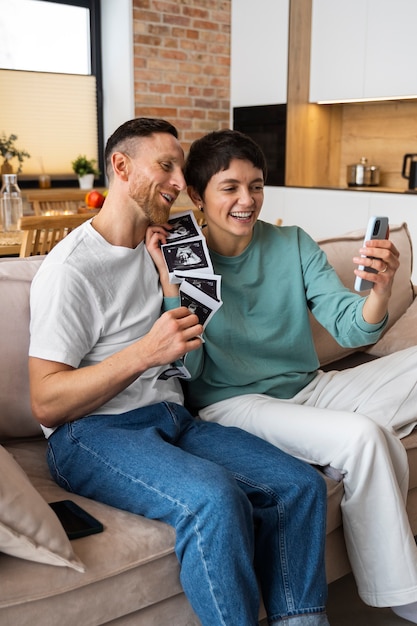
[58, 201]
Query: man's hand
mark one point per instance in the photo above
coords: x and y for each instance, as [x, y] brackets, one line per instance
[174, 334]
[52, 384]
[156, 236]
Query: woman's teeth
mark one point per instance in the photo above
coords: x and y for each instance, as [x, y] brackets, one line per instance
[242, 215]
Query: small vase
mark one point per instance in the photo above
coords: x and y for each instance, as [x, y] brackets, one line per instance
[6, 167]
[86, 181]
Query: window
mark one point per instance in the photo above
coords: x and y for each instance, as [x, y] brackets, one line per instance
[50, 81]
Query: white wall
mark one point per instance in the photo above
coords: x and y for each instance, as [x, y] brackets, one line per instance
[117, 58]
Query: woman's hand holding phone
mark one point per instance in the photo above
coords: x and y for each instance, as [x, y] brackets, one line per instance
[378, 228]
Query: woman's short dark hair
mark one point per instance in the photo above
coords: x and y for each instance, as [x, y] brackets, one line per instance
[214, 152]
[138, 127]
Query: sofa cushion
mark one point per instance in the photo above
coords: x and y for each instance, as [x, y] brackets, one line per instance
[340, 252]
[16, 418]
[401, 335]
[129, 566]
[29, 529]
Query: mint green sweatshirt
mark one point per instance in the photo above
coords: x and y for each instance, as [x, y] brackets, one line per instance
[260, 340]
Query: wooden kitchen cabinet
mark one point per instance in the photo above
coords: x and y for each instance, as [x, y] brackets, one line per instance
[363, 49]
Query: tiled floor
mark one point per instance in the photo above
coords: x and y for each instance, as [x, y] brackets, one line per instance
[345, 608]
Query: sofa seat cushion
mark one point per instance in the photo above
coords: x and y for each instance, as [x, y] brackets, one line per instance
[334, 498]
[131, 565]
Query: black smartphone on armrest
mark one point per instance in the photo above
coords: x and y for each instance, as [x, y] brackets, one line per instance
[75, 520]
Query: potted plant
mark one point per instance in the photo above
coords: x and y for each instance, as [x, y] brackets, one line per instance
[9, 151]
[86, 170]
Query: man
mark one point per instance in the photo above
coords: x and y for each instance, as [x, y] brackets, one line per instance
[119, 434]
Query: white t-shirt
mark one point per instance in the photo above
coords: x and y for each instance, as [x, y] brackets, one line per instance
[90, 299]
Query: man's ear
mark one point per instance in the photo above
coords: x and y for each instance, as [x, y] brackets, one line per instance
[121, 164]
[195, 197]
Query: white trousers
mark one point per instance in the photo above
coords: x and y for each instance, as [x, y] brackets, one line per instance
[352, 420]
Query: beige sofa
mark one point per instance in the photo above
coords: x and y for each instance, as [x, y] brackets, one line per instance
[127, 574]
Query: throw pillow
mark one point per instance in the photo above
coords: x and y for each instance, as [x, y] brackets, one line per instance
[401, 335]
[29, 529]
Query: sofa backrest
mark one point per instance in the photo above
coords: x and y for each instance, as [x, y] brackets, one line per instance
[16, 418]
[340, 252]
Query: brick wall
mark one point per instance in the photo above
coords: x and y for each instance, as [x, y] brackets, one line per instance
[182, 63]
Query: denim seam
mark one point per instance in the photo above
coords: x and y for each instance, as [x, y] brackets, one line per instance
[63, 482]
[281, 533]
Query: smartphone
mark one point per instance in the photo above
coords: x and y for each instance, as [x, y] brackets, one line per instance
[75, 520]
[377, 229]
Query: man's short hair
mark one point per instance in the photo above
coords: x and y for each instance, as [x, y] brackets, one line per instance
[138, 127]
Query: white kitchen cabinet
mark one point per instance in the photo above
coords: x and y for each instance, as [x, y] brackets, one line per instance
[338, 44]
[259, 52]
[363, 49]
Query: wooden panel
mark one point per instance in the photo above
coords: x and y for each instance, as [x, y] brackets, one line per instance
[296, 165]
[313, 131]
[383, 132]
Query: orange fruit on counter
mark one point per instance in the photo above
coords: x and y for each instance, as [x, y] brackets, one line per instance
[94, 199]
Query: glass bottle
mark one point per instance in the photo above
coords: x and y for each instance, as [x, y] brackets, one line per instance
[10, 203]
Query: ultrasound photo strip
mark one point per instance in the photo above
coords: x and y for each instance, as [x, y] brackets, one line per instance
[184, 226]
[198, 302]
[175, 370]
[188, 263]
[187, 255]
[204, 306]
[208, 283]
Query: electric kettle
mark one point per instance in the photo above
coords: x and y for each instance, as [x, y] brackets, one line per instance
[410, 170]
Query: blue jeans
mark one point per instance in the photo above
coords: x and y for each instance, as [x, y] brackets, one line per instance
[241, 507]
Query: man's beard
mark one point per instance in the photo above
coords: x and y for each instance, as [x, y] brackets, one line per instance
[156, 213]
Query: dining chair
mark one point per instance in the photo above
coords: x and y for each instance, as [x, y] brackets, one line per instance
[42, 232]
[53, 207]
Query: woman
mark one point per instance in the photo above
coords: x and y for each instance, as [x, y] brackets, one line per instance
[258, 368]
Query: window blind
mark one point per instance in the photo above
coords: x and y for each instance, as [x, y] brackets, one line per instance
[54, 117]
